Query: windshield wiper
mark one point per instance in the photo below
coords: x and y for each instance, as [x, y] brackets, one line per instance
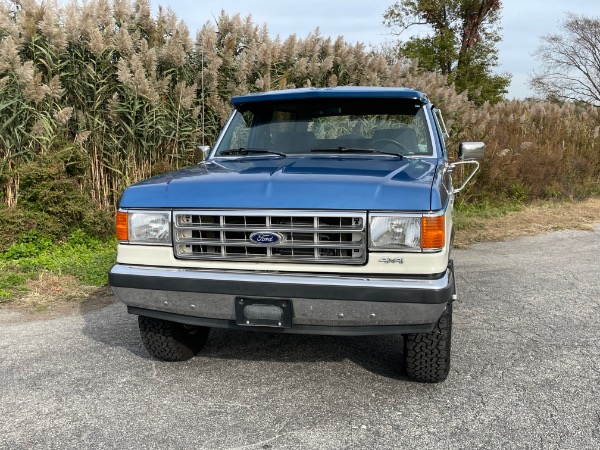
[249, 151]
[353, 150]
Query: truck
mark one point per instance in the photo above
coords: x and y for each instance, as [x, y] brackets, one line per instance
[323, 211]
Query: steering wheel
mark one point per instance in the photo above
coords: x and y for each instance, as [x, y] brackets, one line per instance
[350, 136]
[402, 148]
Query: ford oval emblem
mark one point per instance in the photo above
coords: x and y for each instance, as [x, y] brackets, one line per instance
[265, 238]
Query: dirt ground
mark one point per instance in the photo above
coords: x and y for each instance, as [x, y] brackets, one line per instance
[51, 296]
[533, 220]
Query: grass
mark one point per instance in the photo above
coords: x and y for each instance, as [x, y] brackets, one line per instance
[503, 221]
[469, 216]
[11, 283]
[35, 260]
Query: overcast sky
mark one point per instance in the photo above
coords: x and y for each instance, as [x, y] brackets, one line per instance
[523, 23]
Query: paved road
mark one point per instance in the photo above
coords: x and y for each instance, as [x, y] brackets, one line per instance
[526, 373]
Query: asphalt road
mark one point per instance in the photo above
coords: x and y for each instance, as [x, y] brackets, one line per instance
[526, 373]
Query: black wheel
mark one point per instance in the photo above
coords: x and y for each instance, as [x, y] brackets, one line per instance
[426, 356]
[171, 341]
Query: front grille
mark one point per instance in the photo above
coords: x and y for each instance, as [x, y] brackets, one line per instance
[306, 237]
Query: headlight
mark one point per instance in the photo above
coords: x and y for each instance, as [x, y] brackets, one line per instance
[418, 233]
[395, 233]
[144, 227]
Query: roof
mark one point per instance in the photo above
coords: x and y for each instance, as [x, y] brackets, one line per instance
[333, 93]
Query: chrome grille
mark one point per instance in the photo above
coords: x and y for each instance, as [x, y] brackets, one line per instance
[308, 236]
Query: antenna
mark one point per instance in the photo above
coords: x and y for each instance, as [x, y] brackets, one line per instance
[202, 90]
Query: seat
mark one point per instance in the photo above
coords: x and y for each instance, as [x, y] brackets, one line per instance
[294, 141]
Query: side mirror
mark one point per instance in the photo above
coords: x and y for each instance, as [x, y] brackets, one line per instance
[205, 150]
[471, 150]
[468, 153]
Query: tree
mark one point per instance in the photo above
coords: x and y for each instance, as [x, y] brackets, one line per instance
[461, 43]
[570, 62]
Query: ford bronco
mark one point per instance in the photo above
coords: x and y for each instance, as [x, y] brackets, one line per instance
[318, 211]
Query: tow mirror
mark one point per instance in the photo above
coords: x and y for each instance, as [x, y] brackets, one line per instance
[468, 153]
[471, 150]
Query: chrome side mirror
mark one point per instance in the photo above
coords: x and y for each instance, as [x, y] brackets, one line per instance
[471, 150]
[205, 150]
[468, 153]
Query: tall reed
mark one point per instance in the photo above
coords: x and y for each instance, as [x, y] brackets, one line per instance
[136, 94]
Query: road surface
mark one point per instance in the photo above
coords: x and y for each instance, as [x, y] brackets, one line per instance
[525, 373]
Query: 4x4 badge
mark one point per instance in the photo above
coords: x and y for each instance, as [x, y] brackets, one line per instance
[387, 260]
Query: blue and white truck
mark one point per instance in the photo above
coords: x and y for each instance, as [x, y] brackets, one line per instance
[318, 211]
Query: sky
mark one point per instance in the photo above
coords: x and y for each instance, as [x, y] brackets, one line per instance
[523, 23]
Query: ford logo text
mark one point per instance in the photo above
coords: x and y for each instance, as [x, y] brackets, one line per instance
[261, 238]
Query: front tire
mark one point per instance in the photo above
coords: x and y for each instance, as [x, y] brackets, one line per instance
[426, 356]
[171, 341]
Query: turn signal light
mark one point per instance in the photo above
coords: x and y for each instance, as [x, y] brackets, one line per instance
[122, 226]
[433, 231]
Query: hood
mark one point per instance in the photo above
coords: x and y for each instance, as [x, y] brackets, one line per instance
[298, 182]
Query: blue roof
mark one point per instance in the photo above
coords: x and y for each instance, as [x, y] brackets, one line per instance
[336, 92]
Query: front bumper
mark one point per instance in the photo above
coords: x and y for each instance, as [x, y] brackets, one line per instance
[322, 304]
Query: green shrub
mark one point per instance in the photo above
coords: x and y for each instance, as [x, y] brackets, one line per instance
[48, 184]
[86, 257]
[53, 202]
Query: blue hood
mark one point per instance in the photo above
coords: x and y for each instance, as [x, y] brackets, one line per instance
[303, 182]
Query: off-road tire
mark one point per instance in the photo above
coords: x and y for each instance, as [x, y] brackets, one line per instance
[426, 356]
[171, 341]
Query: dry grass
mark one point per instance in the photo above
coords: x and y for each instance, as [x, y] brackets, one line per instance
[51, 295]
[539, 218]
[125, 95]
[49, 288]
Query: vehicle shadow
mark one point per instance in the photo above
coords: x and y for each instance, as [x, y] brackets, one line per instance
[106, 321]
[381, 355]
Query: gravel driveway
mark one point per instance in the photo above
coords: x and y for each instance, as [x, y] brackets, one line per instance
[526, 373]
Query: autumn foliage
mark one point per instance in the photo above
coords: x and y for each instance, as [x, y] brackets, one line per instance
[112, 94]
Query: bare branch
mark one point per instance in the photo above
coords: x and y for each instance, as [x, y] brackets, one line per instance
[571, 61]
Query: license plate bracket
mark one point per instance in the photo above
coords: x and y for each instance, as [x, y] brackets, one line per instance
[263, 312]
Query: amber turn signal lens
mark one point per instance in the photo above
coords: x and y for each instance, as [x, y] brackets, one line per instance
[122, 226]
[433, 232]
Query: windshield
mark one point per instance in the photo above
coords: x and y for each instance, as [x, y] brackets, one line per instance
[379, 126]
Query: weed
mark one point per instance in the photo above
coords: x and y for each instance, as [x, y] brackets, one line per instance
[12, 282]
[509, 220]
[83, 256]
[487, 209]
